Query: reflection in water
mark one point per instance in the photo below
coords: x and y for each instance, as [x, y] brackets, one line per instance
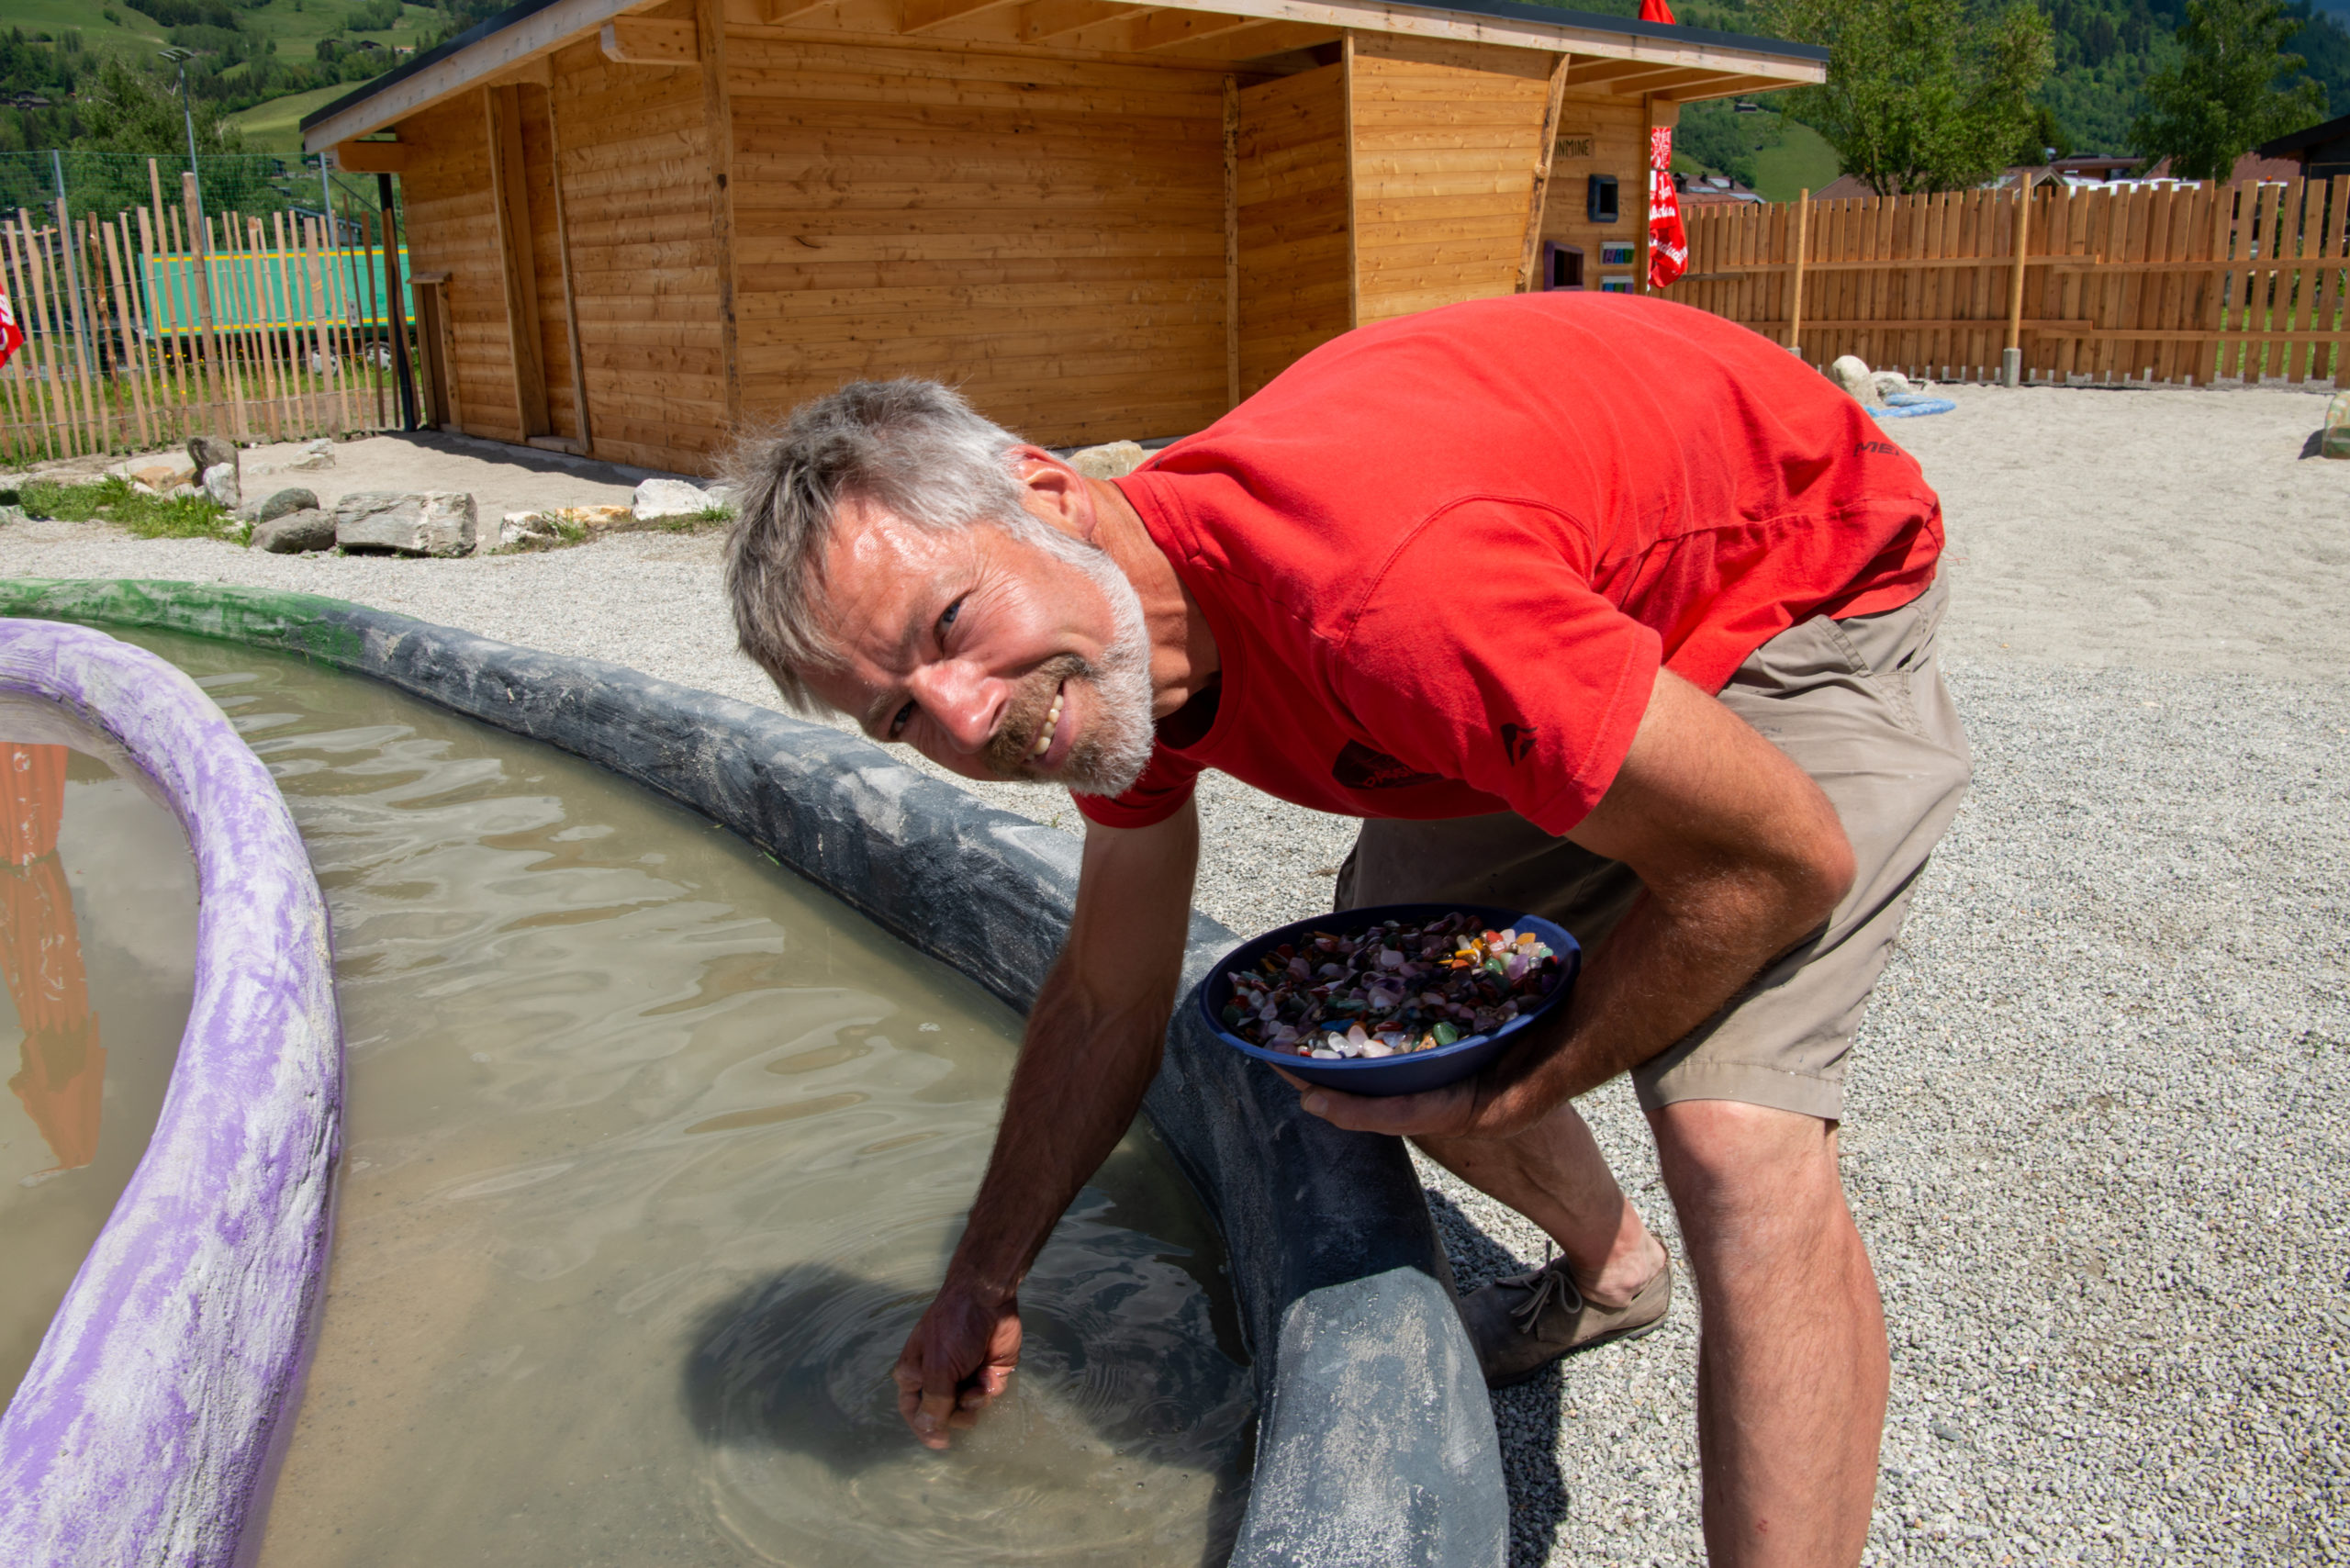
[653, 1155]
[97, 921]
[64, 1069]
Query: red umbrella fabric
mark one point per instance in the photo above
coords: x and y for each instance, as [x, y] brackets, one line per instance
[64, 1069]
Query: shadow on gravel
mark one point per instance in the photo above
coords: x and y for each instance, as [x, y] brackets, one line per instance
[1527, 1414]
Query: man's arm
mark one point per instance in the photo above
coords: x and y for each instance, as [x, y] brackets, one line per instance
[1091, 1046]
[1741, 857]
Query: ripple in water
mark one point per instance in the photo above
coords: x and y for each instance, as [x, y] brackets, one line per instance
[653, 1157]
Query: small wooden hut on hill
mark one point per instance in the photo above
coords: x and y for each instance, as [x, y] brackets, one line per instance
[635, 224]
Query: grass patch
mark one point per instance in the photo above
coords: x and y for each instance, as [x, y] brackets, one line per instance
[1803, 160]
[698, 521]
[111, 499]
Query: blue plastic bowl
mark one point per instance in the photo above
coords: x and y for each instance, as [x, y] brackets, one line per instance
[1405, 1074]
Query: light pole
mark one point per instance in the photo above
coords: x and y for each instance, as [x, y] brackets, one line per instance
[179, 58]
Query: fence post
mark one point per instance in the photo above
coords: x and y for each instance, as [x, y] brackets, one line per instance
[395, 307]
[1794, 307]
[200, 266]
[2011, 358]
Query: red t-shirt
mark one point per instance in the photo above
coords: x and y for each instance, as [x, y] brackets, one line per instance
[1443, 556]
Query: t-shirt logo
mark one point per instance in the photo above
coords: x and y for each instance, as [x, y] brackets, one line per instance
[1518, 742]
[1359, 767]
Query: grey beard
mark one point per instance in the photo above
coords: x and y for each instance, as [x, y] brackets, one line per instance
[1111, 757]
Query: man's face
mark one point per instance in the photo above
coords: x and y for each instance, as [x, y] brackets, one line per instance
[991, 655]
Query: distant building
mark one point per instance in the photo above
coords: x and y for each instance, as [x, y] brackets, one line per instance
[2320, 153]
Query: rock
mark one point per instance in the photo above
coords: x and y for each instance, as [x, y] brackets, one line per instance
[292, 533]
[316, 455]
[292, 498]
[418, 523]
[182, 493]
[10, 514]
[161, 474]
[220, 484]
[2335, 440]
[558, 526]
[1113, 460]
[1851, 373]
[669, 501]
[205, 452]
[1892, 383]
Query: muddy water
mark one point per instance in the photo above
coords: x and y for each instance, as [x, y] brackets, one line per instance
[97, 950]
[653, 1154]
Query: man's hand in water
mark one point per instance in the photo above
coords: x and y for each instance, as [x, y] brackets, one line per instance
[956, 1361]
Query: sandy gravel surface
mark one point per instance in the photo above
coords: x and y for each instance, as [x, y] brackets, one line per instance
[2097, 1137]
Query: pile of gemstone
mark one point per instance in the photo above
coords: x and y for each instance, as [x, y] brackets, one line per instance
[1389, 989]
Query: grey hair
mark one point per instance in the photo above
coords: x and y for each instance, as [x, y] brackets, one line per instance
[913, 448]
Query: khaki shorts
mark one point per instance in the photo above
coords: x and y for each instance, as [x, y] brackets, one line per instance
[1859, 705]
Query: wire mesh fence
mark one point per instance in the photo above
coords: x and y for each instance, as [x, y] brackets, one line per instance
[157, 320]
[107, 183]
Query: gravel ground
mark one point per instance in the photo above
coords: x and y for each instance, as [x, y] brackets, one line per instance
[2096, 1138]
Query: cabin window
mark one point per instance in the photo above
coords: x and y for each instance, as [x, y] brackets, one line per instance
[1600, 201]
[1562, 265]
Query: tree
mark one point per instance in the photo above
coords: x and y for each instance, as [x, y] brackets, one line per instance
[2223, 98]
[1921, 94]
[126, 112]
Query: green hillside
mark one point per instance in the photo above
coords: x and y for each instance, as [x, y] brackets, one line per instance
[276, 126]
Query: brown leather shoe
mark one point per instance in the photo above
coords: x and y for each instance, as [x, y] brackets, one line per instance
[1522, 1323]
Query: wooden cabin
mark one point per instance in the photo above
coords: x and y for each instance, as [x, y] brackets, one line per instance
[635, 227]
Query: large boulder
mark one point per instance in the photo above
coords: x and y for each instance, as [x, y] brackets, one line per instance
[293, 532]
[161, 473]
[220, 484]
[416, 522]
[279, 502]
[206, 451]
[1851, 373]
[670, 500]
[1114, 461]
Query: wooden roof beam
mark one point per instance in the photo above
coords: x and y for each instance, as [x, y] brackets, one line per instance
[649, 40]
[1260, 38]
[1169, 28]
[371, 157]
[783, 12]
[1666, 80]
[1049, 21]
[928, 16]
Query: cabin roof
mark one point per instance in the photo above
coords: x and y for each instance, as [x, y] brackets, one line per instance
[2312, 136]
[535, 27]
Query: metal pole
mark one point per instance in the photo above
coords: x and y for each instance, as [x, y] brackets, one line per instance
[187, 112]
[326, 204]
[65, 256]
[395, 306]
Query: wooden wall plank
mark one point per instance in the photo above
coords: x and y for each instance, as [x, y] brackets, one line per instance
[1047, 234]
[1446, 142]
[453, 229]
[1296, 287]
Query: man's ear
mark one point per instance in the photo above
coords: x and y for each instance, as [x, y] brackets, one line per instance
[1054, 492]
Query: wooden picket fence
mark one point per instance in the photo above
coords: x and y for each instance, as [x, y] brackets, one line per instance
[162, 322]
[2139, 287]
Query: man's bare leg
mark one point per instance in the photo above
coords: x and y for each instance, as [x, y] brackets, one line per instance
[1554, 1174]
[1791, 1365]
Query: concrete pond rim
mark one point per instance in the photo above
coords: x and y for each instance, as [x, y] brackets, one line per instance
[1375, 1439]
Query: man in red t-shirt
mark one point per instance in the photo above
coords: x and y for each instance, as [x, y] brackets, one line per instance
[1593, 606]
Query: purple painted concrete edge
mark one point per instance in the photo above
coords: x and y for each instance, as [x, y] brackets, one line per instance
[149, 1426]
